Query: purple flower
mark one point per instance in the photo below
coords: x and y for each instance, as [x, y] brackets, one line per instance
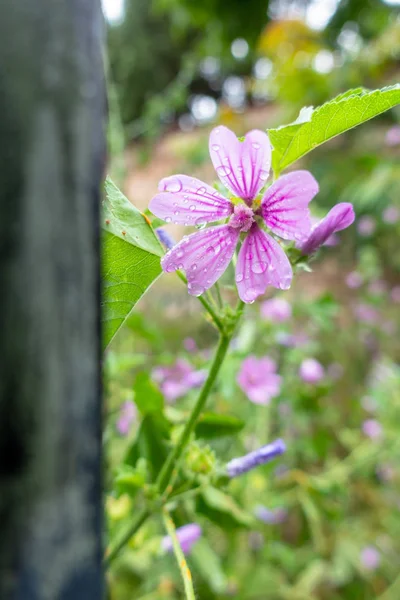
[127, 416]
[338, 218]
[296, 340]
[311, 371]
[243, 464]
[393, 136]
[165, 238]
[271, 517]
[391, 214]
[190, 344]
[366, 226]
[354, 280]
[370, 558]
[243, 168]
[395, 293]
[187, 536]
[372, 429]
[258, 379]
[366, 313]
[377, 287]
[277, 310]
[177, 380]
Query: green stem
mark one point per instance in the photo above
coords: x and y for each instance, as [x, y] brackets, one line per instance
[171, 462]
[219, 297]
[127, 534]
[207, 305]
[180, 557]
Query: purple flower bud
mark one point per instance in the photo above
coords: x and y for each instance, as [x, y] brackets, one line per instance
[187, 536]
[271, 517]
[165, 238]
[370, 558]
[276, 310]
[372, 429]
[126, 417]
[366, 226]
[338, 218]
[311, 371]
[242, 464]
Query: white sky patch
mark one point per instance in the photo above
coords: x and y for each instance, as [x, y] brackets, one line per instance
[392, 2]
[323, 62]
[114, 11]
[319, 12]
[239, 48]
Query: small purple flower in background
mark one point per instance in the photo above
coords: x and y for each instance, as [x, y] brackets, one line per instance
[258, 379]
[377, 287]
[126, 417]
[277, 310]
[354, 280]
[165, 238]
[311, 371]
[366, 226]
[339, 217]
[243, 168]
[395, 293]
[190, 345]
[372, 429]
[296, 340]
[243, 464]
[187, 536]
[366, 313]
[391, 214]
[392, 137]
[271, 517]
[370, 558]
[177, 380]
[369, 404]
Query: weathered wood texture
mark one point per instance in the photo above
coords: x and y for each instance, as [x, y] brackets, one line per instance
[52, 107]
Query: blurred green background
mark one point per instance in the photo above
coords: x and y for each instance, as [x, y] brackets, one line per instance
[175, 69]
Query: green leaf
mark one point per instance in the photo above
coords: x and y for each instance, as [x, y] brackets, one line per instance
[129, 480]
[314, 127]
[223, 510]
[208, 563]
[212, 425]
[148, 397]
[151, 443]
[131, 259]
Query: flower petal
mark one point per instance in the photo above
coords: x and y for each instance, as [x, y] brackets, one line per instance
[284, 207]
[261, 262]
[204, 256]
[339, 217]
[185, 200]
[243, 167]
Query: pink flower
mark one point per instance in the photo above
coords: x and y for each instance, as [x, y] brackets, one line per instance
[258, 379]
[338, 218]
[395, 293]
[277, 310]
[187, 536]
[177, 380]
[354, 280]
[366, 226]
[243, 168]
[127, 416]
[391, 214]
[311, 371]
[366, 313]
[370, 558]
[393, 136]
[372, 429]
[190, 344]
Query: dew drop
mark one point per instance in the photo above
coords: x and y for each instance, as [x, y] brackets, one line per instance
[210, 250]
[263, 175]
[256, 145]
[215, 147]
[200, 221]
[173, 186]
[223, 170]
[239, 277]
[192, 207]
[179, 253]
[168, 219]
[195, 289]
[176, 212]
[251, 294]
[170, 267]
[201, 190]
[259, 267]
[194, 267]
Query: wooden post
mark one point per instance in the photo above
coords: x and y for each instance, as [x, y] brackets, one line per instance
[52, 153]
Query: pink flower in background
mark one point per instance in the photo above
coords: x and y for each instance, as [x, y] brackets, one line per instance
[190, 344]
[243, 168]
[372, 429]
[270, 516]
[395, 293]
[366, 313]
[391, 214]
[393, 136]
[177, 380]
[311, 371]
[126, 417]
[258, 379]
[296, 340]
[354, 280]
[339, 217]
[366, 226]
[187, 536]
[277, 310]
[370, 558]
[377, 287]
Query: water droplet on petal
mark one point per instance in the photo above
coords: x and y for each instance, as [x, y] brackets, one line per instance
[195, 289]
[264, 175]
[179, 253]
[256, 145]
[259, 267]
[168, 219]
[194, 267]
[173, 185]
[200, 221]
[210, 250]
[176, 212]
[239, 277]
[201, 190]
[215, 147]
[222, 170]
[251, 294]
[192, 207]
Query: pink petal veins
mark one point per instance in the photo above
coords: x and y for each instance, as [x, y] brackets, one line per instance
[284, 206]
[203, 255]
[261, 262]
[185, 200]
[243, 167]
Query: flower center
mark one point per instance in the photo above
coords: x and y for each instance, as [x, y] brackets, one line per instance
[242, 218]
